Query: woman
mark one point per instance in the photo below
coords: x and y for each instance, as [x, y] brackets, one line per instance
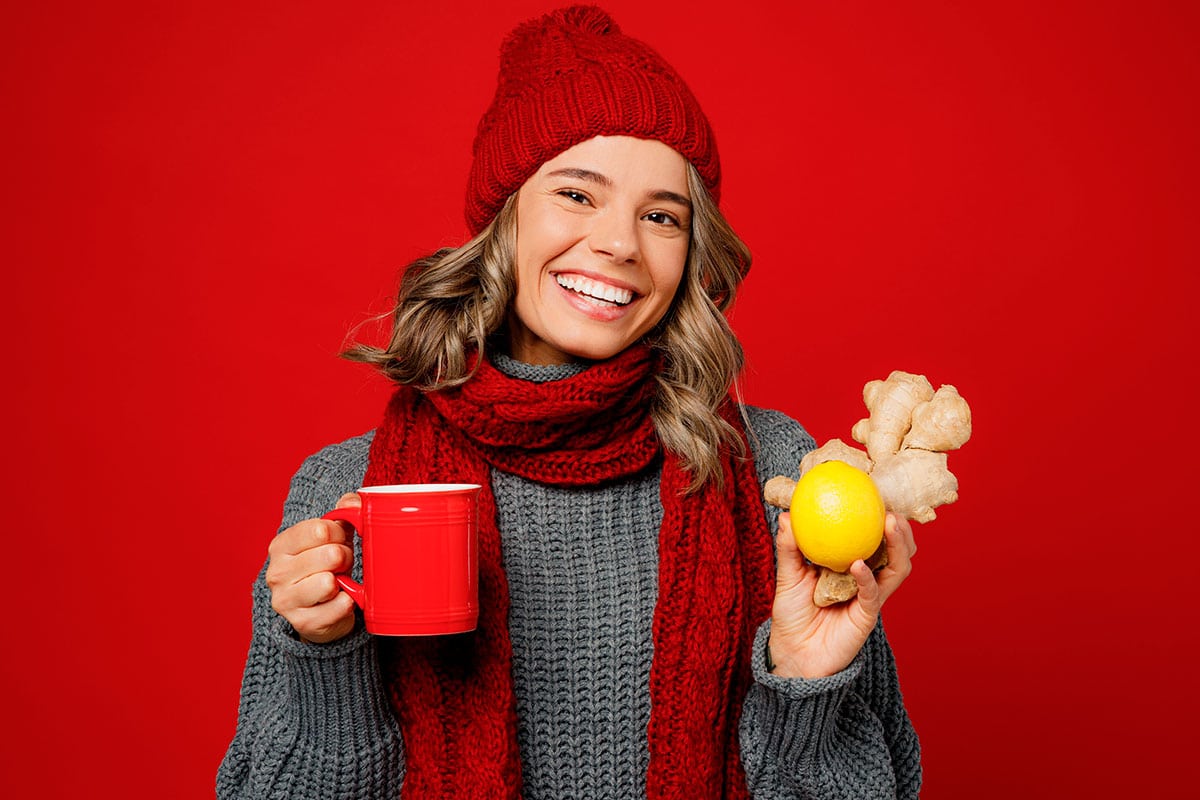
[636, 638]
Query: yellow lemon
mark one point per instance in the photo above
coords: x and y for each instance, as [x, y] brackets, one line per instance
[837, 515]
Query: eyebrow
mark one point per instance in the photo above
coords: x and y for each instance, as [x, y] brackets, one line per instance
[662, 195]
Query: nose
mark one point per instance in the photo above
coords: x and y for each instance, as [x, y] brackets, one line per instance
[614, 236]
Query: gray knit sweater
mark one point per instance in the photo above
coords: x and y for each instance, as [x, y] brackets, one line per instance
[582, 566]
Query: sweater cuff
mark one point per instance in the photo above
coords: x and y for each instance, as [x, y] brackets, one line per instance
[335, 689]
[791, 716]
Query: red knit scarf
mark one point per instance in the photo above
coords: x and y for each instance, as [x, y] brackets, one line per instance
[453, 695]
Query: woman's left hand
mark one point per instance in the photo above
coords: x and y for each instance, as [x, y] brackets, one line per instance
[812, 642]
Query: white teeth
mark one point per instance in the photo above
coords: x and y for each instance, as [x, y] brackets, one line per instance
[595, 289]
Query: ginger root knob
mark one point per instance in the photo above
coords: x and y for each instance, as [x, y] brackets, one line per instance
[838, 587]
[915, 482]
[944, 423]
[890, 404]
[779, 490]
[835, 450]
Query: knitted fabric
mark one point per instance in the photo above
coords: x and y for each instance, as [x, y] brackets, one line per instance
[564, 78]
[453, 696]
[315, 721]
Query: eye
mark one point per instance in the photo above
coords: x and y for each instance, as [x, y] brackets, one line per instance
[574, 196]
[662, 218]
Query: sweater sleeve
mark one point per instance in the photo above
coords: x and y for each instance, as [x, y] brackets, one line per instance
[844, 736]
[314, 721]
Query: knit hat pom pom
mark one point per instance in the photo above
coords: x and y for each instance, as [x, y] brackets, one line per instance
[531, 46]
[588, 19]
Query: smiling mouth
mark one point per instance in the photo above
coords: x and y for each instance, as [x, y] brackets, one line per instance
[595, 291]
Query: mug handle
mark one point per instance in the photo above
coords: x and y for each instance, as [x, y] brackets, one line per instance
[353, 515]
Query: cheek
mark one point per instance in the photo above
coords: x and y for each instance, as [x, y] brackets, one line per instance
[544, 241]
[670, 262]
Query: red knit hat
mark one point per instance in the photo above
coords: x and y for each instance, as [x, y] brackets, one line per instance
[569, 76]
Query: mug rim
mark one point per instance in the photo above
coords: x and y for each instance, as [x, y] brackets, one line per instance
[419, 488]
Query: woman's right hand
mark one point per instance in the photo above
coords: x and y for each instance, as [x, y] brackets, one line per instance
[303, 560]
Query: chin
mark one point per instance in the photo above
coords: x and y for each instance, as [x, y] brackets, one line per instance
[592, 350]
[594, 353]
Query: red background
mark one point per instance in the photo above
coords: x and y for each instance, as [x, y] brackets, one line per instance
[202, 199]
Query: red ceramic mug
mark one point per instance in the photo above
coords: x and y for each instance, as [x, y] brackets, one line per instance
[420, 546]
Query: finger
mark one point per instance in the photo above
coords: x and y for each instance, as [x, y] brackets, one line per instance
[790, 568]
[903, 528]
[284, 572]
[309, 592]
[312, 591]
[306, 535]
[324, 622]
[331, 557]
[900, 546]
[349, 500]
[870, 595]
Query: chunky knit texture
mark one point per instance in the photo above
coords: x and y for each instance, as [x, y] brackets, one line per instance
[454, 696]
[566, 77]
[315, 721]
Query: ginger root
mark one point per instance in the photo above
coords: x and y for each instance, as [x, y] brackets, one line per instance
[891, 404]
[913, 483]
[942, 424]
[836, 587]
[778, 491]
[835, 450]
[907, 433]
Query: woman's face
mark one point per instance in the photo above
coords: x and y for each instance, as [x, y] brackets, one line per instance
[602, 238]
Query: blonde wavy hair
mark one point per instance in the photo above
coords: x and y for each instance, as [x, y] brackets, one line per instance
[457, 299]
